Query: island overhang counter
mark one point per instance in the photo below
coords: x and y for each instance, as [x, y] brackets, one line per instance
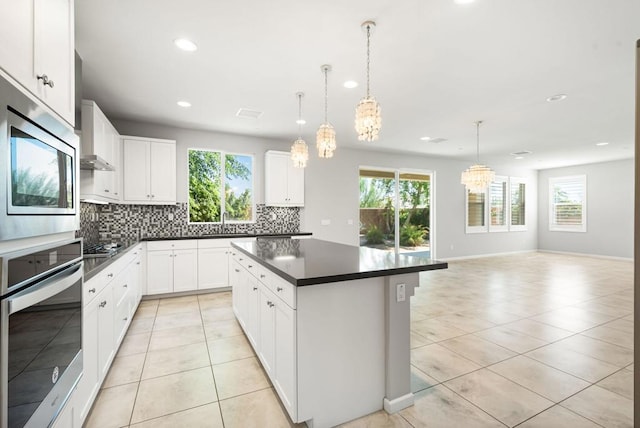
[330, 324]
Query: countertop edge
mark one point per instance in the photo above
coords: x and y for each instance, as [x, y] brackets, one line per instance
[227, 236]
[109, 261]
[342, 277]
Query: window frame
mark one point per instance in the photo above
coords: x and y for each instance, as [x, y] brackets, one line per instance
[504, 180]
[487, 227]
[555, 227]
[223, 154]
[517, 227]
[477, 229]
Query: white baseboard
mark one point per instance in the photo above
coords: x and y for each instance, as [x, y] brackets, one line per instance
[397, 404]
[479, 256]
[597, 256]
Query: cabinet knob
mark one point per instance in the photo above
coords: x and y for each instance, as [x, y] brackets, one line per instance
[103, 303]
[270, 304]
[110, 275]
[45, 80]
[153, 196]
[279, 288]
[250, 266]
[125, 318]
[237, 270]
[255, 288]
[262, 275]
[138, 263]
[148, 196]
[92, 290]
[106, 190]
[125, 286]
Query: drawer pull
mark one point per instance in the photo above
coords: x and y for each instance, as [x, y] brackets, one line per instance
[103, 303]
[110, 275]
[237, 270]
[279, 289]
[138, 263]
[271, 305]
[262, 276]
[125, 319]
[255, 288]
[125, 286]
[45, 80]
[250, 266]
[92, 290]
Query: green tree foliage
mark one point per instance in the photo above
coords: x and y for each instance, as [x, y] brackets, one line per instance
[205, 184]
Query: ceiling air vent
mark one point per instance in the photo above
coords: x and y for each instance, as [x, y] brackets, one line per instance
[434, 140]
[247, 113]
[522, 153]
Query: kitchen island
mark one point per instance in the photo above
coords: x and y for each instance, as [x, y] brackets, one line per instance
[329, 323]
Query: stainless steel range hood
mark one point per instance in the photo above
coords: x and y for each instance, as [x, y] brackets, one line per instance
[95, 163]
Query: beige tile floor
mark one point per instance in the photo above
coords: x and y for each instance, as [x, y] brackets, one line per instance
[528, 340]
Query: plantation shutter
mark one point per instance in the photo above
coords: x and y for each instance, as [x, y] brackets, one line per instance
[567, 203]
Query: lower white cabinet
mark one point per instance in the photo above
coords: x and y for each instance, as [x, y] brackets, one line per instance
[67, 416]
[261, 302]
[110, 300]
[172, 266]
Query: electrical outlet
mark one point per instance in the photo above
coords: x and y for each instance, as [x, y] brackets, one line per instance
[401, 292]
[170, 216]
[350, 222]
[273, 216]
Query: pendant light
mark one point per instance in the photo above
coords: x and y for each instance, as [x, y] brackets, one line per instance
[368, 118]
[478, 177]
[326, 135]
[299, 150]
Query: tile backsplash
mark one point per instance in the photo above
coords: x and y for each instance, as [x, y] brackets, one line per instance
[118, 222]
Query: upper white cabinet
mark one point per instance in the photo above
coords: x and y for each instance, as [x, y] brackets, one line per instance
[149, 170]
[37, 50]
[284, 183]
[100, 138]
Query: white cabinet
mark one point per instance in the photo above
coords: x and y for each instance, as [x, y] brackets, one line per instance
[149, 170]
[67, 417]
[284, 183]
[40, 56]
[99, 137]
[213, 263]
[110, 299]
[172, 266]
[265, 307]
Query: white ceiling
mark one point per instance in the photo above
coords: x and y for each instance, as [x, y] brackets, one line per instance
[436, 67]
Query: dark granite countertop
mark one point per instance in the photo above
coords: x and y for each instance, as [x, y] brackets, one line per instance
[313, 261]
[95, 265]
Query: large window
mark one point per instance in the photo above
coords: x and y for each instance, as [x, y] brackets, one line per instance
[568, 203]
[217, 187]
[499, 208]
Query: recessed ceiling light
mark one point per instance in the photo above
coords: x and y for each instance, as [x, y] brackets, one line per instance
[350, 84]
[186, 45]
[602, 143]
[519, 157]
[557, 97]
[433, 139]
[425, 138]
[184, 104]
[463, 1]
[301, 121]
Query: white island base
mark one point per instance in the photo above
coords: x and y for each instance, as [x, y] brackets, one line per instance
[353, 349]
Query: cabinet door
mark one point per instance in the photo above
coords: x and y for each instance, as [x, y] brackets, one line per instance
[65, 418]
[266, 352]
[135, 170]
[276, 192]
[17, 55]
[253, 301]
[106, 340]
[159, 272]
[295, 185]
[285, 356]
[185, 270]
[213, 268]
[162, 176]
[54, 54]
[237, 287]
[88, 385]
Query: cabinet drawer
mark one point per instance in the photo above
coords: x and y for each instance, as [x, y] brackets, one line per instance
[121, 287]
[182, 244]
[95, 285]
[283, 289]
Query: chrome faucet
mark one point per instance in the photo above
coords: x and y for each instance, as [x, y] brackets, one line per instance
[224, 217]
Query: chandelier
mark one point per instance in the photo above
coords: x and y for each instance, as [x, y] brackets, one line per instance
[368, 115]
[326, 135]
[299, 150]
[477, 177]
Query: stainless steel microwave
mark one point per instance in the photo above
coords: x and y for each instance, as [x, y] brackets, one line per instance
[38, 169]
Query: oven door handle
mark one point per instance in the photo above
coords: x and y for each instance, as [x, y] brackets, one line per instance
[45, 289]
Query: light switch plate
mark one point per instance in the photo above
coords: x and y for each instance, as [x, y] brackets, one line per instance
[400, 292]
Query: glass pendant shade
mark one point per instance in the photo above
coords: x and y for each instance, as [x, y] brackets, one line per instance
[326, 140]
[299, 153]
[368, 119]
[477, 178]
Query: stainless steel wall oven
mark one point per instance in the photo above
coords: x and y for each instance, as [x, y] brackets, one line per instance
[40, 332]
[38, 170]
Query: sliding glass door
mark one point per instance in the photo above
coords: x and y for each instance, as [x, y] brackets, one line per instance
[395, 210]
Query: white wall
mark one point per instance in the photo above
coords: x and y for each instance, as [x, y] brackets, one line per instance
[610, 196]
[332, 189]
[332, 194]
